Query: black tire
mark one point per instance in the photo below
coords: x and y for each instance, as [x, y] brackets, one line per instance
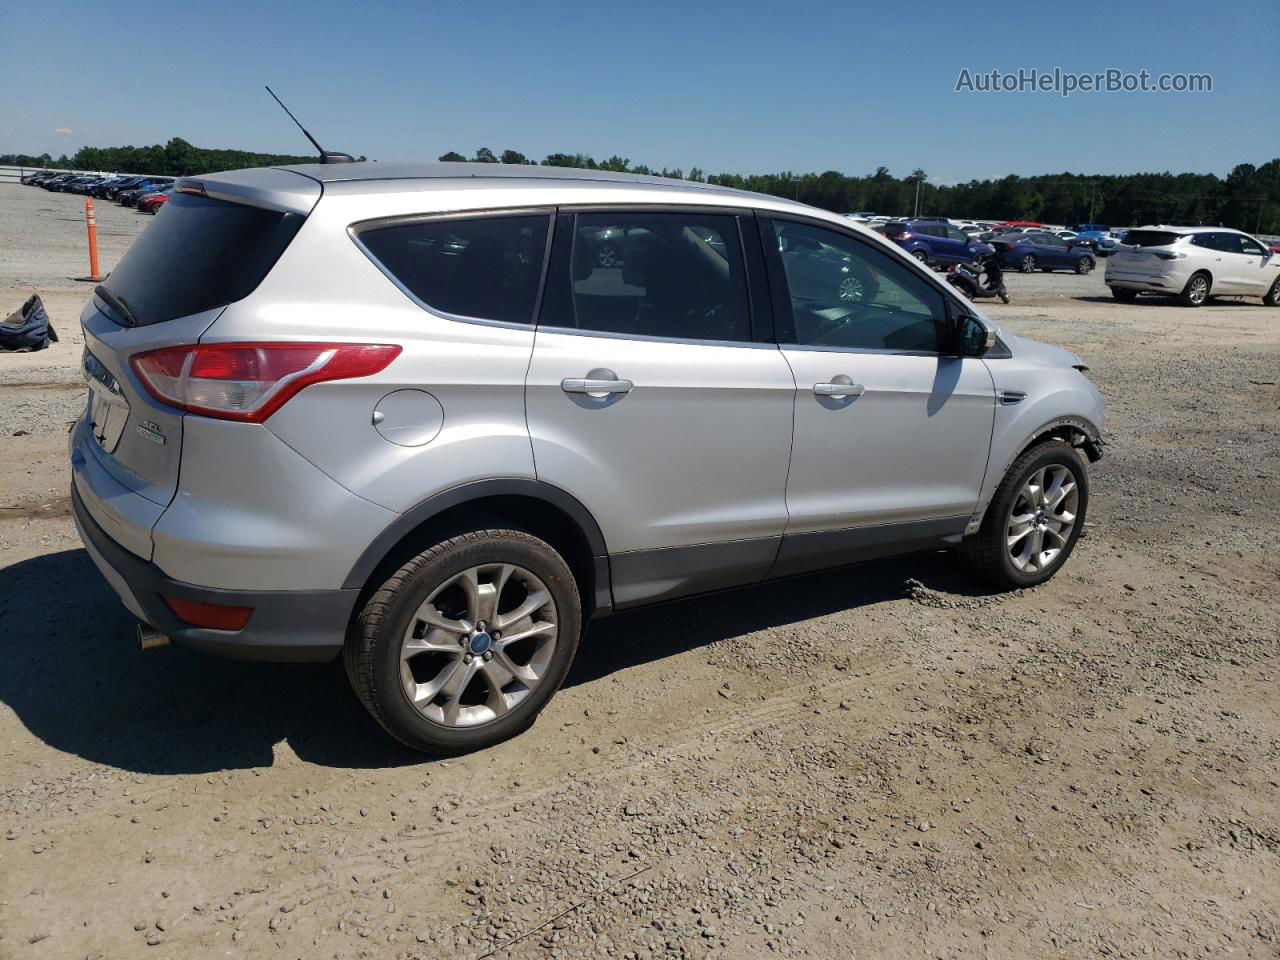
[1124, 295]
[1272, 299]
[1028, 263]
[1084, 265]
[920, 255]
[1196, 292]
[987, 551]
[373, 649]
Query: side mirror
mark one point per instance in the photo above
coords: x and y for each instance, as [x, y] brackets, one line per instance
[973, 338]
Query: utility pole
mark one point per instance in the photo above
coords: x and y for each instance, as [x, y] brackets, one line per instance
[796, 181]
[1257, 224]
[919, 180]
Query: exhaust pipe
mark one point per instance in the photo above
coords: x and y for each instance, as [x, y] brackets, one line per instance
[149, 637]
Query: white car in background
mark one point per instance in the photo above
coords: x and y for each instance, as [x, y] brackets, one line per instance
[1193, 264]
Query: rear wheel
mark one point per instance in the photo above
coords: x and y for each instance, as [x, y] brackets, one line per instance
[463, 646]
[1034, 519]
[1272, 299]
[1028, 263]
[921, 255]
[1196, 292]
[1084, 265]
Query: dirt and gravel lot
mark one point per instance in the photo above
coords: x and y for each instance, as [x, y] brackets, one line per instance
[885, 761]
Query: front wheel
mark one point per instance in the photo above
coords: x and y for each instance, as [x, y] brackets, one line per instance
[1272, 299]
[1034, 519]
[463, 646]
[1084, 265]
[1028, 264]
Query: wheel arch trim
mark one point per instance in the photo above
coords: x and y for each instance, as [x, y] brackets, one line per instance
[458, 496]
[1074, 423]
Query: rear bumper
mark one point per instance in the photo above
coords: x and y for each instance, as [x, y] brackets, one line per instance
[288, 625]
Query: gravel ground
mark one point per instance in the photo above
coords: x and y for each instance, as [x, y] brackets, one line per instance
[883, 761]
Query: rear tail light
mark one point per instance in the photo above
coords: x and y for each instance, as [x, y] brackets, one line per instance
[251, 381]
[213, 616]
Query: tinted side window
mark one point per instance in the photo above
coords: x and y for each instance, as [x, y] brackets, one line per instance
[845, 293]
[671, 275]
[486, 268]
[1206, 240]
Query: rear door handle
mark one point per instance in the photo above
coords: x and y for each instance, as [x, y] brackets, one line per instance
[837, 389]
[596, 387]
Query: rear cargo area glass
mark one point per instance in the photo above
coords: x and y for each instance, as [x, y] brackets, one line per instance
[200, 253]
[1150, 238]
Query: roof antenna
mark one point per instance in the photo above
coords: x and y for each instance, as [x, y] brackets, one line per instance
[326, 156]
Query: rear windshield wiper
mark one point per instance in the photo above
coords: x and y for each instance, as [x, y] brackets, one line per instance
[117, 305]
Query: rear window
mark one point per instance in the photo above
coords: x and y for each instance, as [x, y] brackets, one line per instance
[200, 253]
[1151, 238]
[483, 268]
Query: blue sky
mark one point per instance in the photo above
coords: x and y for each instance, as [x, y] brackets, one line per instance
[744, 87]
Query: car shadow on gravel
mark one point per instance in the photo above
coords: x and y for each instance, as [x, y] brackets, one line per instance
[653, 633]
[72, 672]
[71, 669]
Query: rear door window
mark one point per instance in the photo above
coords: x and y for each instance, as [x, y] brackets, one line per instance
[477, 268]
[203, 253]
[671, 275]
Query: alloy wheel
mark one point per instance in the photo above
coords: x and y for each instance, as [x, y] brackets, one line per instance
[479, 644]
[1042, 518]
[851, 290]
[1198, 290]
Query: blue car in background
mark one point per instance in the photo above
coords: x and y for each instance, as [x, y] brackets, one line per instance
[935, 241]
[1097, 236]
[1029, 252]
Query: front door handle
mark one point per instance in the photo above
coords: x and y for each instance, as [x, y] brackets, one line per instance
[840, 387]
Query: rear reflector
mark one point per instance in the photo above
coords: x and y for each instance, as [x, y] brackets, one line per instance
[214, 616]
[251, 381]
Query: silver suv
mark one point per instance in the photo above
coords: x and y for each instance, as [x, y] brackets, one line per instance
[436, 417]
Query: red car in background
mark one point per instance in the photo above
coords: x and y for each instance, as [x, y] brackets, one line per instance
[152, 204]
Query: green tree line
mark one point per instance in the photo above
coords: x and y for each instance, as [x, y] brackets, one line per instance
[1248, 198]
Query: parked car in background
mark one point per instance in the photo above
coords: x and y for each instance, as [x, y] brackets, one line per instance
[129, 197]
[112, 191]
[1065, 234]
[63, 183]
[1100, 241]
[1193, 264]
[1029, 252]
[515, 439]
[152, 202]
[821, 272]
[936, 242]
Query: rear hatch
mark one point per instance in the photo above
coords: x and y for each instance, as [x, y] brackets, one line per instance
[216, 240]
[1143, 252]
